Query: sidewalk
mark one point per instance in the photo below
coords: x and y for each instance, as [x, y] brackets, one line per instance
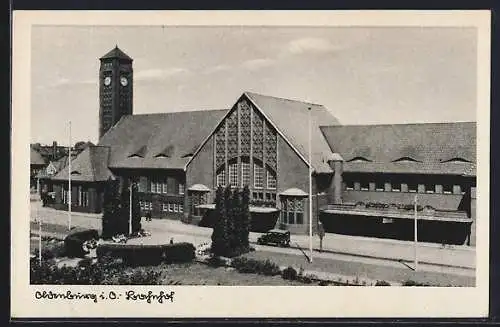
[435, 254]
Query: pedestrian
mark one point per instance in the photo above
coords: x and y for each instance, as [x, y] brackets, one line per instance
[148, 216]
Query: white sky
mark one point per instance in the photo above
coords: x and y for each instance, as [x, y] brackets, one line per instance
[363, 75]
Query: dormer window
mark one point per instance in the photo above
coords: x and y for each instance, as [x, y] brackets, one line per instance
[359, 159]
[140, 153]
[406, 159]
[166, 153]
[456, 159]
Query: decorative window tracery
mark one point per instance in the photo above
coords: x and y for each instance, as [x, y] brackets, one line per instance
[245, 121]
[258, 137]
[232, 135]
[220, 145]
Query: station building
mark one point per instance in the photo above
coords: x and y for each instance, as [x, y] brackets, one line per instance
[366, 180]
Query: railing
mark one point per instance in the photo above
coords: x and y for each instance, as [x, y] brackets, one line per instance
[394, 211]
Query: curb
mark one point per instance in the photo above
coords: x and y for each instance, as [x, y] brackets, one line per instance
[384, 258]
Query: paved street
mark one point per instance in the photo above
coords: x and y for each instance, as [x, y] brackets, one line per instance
[367, 256]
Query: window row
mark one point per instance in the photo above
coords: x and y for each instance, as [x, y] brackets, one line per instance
[165, 207]
[172, 207]
[81, 200]
[262, 178]
[404, 187]
[161, 186]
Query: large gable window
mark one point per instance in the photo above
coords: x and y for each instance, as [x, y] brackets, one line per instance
[245, 172]
[221, 177]
[271, 179]
[233, 174]
[258, 175]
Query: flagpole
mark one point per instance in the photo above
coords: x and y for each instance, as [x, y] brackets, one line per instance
[69, 178]
[39, 237]
[310, 191]
[130, 211]
[415, 226]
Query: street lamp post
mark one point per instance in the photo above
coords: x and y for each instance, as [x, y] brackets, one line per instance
[310, 192]
[415, 232]
[130, 211]
[69, 178]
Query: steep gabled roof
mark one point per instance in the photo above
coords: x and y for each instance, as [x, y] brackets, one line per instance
[427, 148]
[178, 133]
[36, 158]
[290, 117]
[116, 53]
[91, 165]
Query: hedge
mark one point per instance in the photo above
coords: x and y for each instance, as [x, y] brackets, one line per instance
[145, 255]
[267, 267]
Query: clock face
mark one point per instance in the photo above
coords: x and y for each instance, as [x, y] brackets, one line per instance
[107, 80]
[123, 81]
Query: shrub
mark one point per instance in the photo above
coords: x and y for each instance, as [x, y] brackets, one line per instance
[87, 273]
[382, 283]
[179, 252]
[73, 243]
[414, 283]
[147, 255]
[323, 283]
[289, 273]
[215, 261]
[266, 267]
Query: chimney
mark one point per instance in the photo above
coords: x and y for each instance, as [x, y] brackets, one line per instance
[336, 163]
[54, 150]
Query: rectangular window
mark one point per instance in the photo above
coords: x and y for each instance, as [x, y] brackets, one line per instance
[164, 187]
[365, 186]
[429, 188]
[271, 180]
[181, 207]
[170, 207]
[258, 176]
[164, 207]
[396, 187]
[245, 173]
[181, 188]
[176, 207]
[412, 187]
[379, 186]
[233, 175]
[349, 185]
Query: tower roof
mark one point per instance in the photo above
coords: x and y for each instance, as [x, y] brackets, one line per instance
[116, 53]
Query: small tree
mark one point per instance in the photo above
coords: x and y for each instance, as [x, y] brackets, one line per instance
[111, 209]
[245, 218]
[218, 231]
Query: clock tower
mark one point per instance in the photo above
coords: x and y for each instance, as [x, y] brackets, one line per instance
[115, 88]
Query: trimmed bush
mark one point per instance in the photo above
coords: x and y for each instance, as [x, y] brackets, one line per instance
[414, 283]
[289, 274]
[244, 265]
[147, 255]
[73, 243]
[382, 283]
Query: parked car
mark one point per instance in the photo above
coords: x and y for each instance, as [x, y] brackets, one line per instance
[275, 237]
